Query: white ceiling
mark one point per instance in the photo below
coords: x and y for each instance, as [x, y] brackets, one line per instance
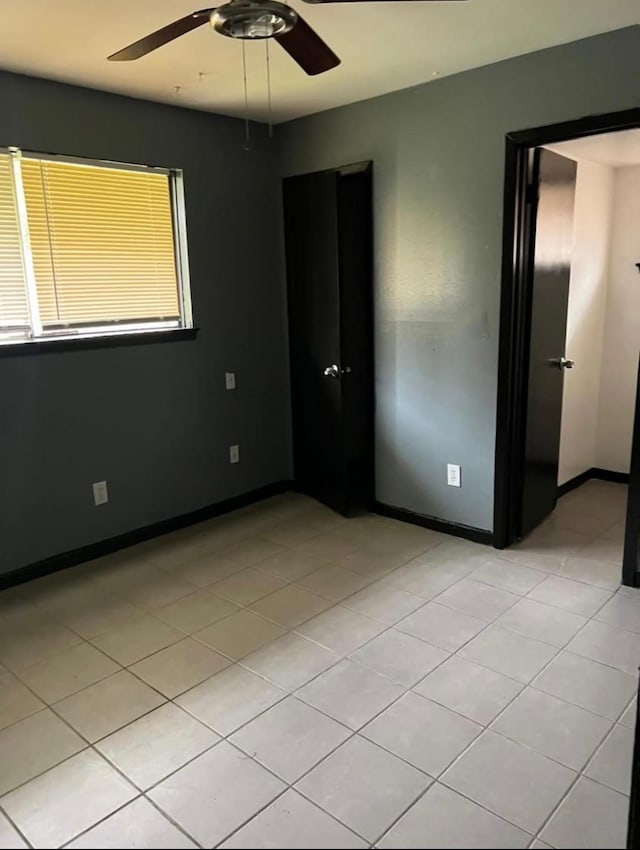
[614, 149]
[383, 46]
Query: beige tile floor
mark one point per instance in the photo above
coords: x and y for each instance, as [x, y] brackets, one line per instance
[283, 677]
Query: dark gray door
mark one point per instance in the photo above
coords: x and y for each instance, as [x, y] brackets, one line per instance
[554, 176]
[328, 253]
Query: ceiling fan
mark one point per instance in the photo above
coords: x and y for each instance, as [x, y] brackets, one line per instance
[250, 19]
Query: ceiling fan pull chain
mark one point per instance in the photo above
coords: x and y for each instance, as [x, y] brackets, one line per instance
[266, 46]
[247, 133]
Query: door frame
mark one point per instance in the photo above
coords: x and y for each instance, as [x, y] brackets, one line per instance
[515, 308]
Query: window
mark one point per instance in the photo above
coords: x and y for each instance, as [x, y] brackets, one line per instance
[89, 249]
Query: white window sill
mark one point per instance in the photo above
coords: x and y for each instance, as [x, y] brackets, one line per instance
[78, 343]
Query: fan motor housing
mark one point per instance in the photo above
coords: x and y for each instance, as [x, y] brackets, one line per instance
[253, 19]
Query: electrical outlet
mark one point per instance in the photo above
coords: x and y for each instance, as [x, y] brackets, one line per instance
[453, 475]
[234, 454]
[100, 493]
[230, 380]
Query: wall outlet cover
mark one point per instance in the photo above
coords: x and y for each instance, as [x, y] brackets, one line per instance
[100, 493]
[234, 454]
[453, 475]
[230, 380]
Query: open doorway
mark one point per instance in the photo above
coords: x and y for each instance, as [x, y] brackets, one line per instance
[570, 337]
[603, 338]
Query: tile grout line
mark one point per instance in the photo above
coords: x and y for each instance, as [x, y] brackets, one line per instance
[599, 749]
[140, 796]
[15, 826]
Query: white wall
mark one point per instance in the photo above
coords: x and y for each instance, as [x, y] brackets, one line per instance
[586, 318]
[622, 327]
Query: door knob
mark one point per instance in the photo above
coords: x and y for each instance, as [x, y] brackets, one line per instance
[562, 363]
[334, 371]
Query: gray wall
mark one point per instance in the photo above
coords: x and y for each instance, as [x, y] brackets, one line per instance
[154, 420]
[438, 153]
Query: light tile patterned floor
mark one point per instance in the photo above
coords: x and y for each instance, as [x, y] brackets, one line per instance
[283, 677]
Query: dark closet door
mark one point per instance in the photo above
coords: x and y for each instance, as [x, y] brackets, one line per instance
[555, 180]
[328, 254]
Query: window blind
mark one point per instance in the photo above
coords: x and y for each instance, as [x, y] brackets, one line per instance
[14, 310]
[102, 243]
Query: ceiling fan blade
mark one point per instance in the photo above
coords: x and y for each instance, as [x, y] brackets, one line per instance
[162, 36]
[305, 46]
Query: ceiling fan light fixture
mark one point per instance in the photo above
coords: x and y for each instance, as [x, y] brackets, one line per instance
[253, 19]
